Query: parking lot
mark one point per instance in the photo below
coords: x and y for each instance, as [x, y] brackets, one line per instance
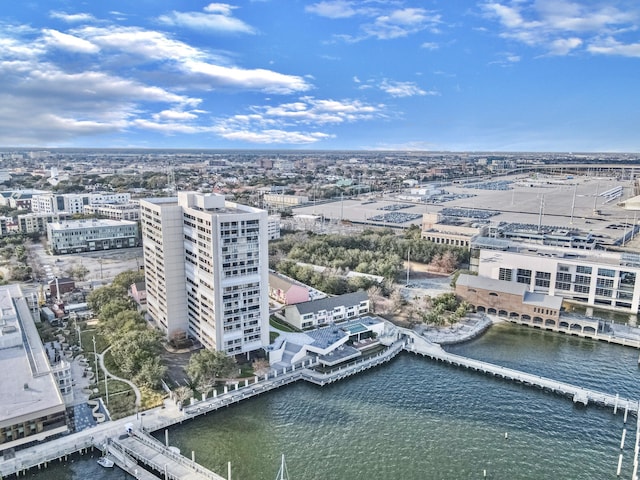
[102, 266]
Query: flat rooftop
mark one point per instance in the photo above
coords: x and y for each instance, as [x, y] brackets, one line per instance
[94, 223]
[573, 202]
[27, 384]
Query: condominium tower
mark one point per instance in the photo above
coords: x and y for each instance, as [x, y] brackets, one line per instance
[206, 270]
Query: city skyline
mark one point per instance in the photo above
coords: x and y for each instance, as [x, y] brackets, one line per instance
[372, 75]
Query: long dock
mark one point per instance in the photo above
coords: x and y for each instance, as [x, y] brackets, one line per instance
[580, 395]
[170, 464]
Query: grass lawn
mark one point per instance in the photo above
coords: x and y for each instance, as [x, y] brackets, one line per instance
[275, 323]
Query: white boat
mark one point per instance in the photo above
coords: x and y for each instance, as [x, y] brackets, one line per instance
[283, 474]
[106, 462]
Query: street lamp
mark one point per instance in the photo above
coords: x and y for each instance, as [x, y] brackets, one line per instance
[95, 358]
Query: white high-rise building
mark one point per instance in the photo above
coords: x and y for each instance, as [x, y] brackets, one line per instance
[206, 270]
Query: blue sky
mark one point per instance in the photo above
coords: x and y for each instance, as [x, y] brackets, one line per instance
[500, 75]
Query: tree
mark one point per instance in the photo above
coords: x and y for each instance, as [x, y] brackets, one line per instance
[124, 280]
[77, 271]
[150, 373]
[101, 296]
[182, 394]
[20, 273]
[121, 323]
[134, 348]
[208, 365]
[261, 366]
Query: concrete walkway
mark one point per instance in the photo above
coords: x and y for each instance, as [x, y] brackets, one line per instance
[136, 390]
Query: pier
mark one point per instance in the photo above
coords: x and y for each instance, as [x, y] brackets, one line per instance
[143, 448]
[580, 395]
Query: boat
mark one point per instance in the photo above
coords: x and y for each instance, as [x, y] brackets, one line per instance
[106, 462]
[283, 474]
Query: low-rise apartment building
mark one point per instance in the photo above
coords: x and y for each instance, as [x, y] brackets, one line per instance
[327, 310]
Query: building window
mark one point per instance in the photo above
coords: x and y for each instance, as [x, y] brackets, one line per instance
[583, 279]
[603, 292]
[627, 280]
[505, 274]
[543, 279]
[604, 282]
[583, 269]
[606, 272]
[524, 276]
[581, 288]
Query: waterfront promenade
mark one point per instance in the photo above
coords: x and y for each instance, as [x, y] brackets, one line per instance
[105, 436]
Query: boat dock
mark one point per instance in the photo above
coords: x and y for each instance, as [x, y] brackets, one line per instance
[142, 448]
[584, 396]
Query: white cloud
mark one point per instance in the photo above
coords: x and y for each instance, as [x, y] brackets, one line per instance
[272, 136]
[140, 42]
[333, 9]
[562, 46]
[281, 123]
[400, 23]
[610, 46]
[216, 18]
[172, 115]
[404, 89]
[383, 22]
[194, 63]
[220, 8]
[68, 42]
[238, 78]
[73, 17]
[560, 26]
[430, 46]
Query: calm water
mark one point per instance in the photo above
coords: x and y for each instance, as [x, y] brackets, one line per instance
[416, 419]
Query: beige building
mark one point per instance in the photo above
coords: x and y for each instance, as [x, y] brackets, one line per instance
[508, 299]
[450, 231]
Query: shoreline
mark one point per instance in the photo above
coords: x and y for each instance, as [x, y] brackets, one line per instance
[466, 330]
